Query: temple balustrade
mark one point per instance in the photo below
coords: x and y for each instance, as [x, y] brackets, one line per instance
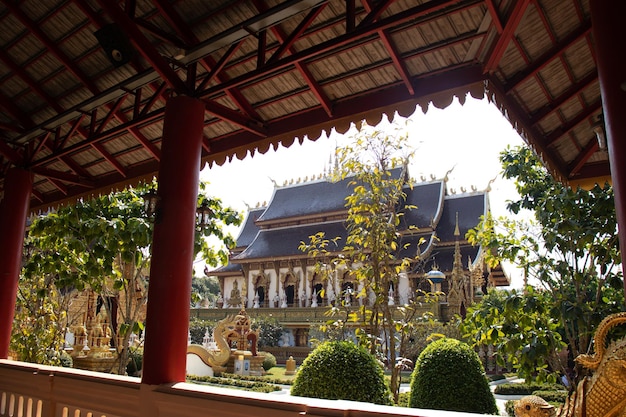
[295, 315]
[28, 390]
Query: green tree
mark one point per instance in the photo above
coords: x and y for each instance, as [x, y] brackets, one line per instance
[570, 249]
[38, 326]
[204, 290]
[520, 327]
[104, 244]
[373, 251]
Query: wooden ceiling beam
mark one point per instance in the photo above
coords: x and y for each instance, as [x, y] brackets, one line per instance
[517, 117]
[23, 119]
[495, 16]
[553, 53]
[398, 63]
[34, 86]
[115, 131]
[287, 43]
[143, 45]
[110, 158]
[170, 14]
[419, 14]
[63, 176]
[235, 117]
[571, 92]
[52, 47]
[497, 50]
[576, 165]
[10, 153]
[566, 127]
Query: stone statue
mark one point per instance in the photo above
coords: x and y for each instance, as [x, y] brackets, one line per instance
[235, 296]
[601, 395]
[314, 299]
[256, 301]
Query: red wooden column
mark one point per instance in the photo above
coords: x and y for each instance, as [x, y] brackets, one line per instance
[18, 185]
[169, 291]
[609, 35]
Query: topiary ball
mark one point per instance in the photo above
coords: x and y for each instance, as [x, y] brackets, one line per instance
[449, 376]
[269, 360]
[341, 371]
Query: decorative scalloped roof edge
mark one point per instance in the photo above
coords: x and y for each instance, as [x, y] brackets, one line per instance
[373, 117]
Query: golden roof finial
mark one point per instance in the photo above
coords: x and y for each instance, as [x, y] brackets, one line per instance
[456, 226]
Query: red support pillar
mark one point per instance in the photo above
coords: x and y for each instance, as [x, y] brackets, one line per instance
[609, 35]
[169, 291]
[18, 185]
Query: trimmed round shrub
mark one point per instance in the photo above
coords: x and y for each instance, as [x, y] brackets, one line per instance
[269, 360]
[449, 376]
[340, 370]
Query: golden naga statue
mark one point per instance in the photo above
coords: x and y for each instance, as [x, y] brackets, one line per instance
[234, 329]
[602, 394]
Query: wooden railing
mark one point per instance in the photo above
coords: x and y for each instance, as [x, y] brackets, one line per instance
[40, 391]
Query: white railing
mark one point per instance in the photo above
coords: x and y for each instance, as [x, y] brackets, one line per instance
[28, 390]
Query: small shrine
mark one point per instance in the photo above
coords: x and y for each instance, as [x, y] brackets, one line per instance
[92, 348]
[231, 349]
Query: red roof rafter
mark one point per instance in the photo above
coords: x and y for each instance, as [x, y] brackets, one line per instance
[575, 89]
[52, 47]
[393, 53]
[556, 51]
[63, 176]
[34, 86]
[118, 130]
[219, 65]
[144, 46]
[517, 117]
[237, 118]
[287, 44]
[583, 157]
[495, 17]
[422, 13]
[10, 153]
[118, 167]
[497, 50]
[10, 107]
[173, 18]
[553, 137]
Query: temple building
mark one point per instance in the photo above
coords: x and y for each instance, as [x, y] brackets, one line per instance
[269, 274]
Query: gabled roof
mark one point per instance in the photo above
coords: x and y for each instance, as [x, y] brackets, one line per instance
[283, 243]
[470, 207]
[249, 230]
[305, 200]
[435, 218]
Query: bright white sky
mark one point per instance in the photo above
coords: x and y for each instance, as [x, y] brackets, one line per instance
[465, 138]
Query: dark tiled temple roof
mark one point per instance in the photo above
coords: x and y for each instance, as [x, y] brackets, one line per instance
[443, 257]
[470, 208]
[230, 269]
[428, 200]
[310, 199]
[277, 231]
[284, 242]
[249, 229]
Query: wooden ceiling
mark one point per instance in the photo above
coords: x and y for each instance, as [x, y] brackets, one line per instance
[83, 83]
